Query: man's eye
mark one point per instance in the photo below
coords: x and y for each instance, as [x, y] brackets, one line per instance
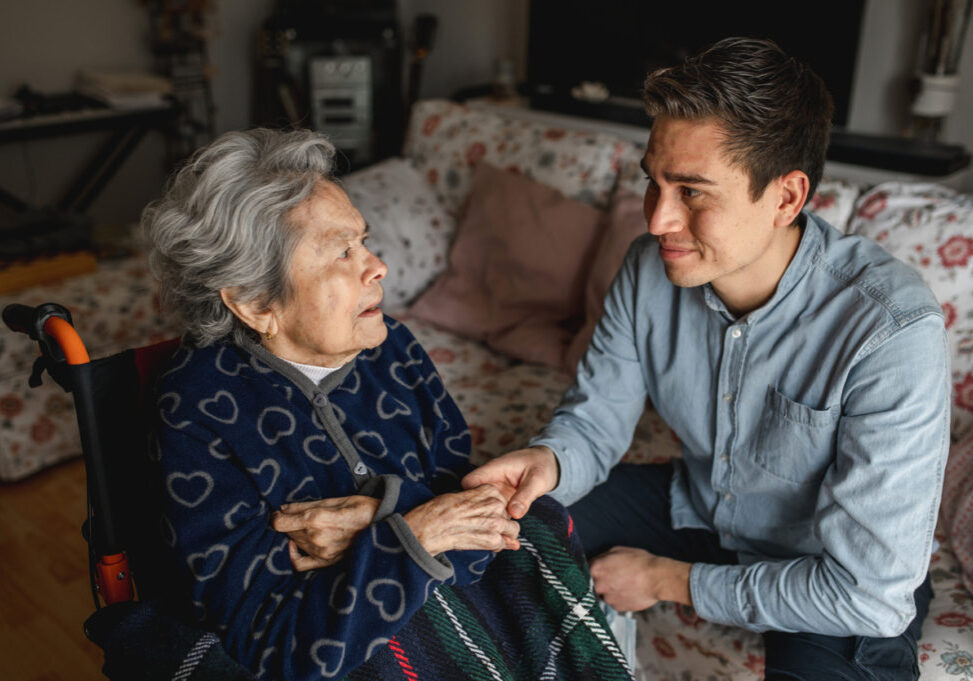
[690, 193]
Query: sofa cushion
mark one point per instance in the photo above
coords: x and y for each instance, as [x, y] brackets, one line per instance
[834, 201]
[626, 221]
[930, 227]
[445, 141]
[407, 226]
[517, 270]
[956, 511]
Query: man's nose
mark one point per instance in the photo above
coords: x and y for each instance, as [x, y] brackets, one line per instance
[664, 214]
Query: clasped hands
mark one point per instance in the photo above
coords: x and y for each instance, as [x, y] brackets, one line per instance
[482, 516]
[320, 532]
[628, 579]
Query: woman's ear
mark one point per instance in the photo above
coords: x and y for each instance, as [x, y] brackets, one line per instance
[258, 317]
[794, 188]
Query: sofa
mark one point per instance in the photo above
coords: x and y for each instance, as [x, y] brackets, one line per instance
[502, 235]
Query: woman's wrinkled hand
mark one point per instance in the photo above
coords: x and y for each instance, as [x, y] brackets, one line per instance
[472, 519]
[321, 531]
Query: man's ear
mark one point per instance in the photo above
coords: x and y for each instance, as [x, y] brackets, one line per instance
[258, 317]
[794, 187]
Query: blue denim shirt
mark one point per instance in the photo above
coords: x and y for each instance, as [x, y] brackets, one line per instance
[814, 430]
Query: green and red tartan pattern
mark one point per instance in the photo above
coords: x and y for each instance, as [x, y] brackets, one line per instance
[533, 616]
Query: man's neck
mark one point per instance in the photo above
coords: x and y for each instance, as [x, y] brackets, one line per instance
[747, 290]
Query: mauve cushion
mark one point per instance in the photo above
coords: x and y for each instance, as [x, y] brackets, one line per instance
[517, 270]
[956, 510]
[626, 221]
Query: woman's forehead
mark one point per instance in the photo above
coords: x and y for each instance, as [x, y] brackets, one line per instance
[328, 215]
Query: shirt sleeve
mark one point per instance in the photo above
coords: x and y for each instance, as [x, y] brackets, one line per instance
[876, 510]
[280, 623]
[593, 426]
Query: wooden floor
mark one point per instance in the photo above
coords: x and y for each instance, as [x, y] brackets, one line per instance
[44, 592]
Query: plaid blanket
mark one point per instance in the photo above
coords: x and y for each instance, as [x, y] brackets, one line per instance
[533, 616]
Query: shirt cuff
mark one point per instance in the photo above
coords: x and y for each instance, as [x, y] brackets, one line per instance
[714, 594]
[564, 492]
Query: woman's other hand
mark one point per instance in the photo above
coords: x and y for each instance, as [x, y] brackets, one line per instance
[472, 519]
[324, 529]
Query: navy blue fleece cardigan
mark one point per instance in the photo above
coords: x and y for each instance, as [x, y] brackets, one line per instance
[242, 433]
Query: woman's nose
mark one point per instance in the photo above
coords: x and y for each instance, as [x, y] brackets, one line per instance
[375, 268]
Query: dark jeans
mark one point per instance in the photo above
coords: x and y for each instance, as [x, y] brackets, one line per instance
[632, 509]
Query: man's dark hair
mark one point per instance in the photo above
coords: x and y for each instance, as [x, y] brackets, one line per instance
[776, 112]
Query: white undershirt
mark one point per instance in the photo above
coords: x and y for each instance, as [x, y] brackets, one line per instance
[314, 372]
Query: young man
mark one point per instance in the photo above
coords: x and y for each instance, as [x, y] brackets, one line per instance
[805, 374]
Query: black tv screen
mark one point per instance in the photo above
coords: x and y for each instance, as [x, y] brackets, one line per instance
[616, 42]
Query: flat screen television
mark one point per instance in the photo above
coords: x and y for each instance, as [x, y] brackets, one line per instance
[616, 42]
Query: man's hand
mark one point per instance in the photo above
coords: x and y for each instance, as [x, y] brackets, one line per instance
[324, 529]
[630, 579]
[521, 476]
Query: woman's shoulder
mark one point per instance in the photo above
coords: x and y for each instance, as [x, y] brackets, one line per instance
[191, 366]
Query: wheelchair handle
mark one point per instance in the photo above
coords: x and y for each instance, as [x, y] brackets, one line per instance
[49, 324]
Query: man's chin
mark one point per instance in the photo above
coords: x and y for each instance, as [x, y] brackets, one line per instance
[678, 276]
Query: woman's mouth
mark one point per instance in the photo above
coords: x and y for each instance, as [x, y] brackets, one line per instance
[372, 311]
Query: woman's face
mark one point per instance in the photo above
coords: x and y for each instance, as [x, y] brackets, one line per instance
[333, 312]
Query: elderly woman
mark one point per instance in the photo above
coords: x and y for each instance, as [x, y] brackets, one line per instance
[311, 455]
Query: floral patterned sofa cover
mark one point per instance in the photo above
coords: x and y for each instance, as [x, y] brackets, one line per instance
[413, 205]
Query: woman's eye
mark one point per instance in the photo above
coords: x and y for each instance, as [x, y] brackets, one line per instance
[344, 254]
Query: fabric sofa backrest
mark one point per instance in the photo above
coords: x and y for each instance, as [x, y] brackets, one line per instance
[445, 141]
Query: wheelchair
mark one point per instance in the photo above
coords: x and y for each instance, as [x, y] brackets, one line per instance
[143, 637]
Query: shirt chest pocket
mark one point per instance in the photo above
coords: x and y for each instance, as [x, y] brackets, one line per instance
[794, 442]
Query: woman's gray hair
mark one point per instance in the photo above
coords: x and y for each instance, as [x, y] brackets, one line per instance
[223, 224]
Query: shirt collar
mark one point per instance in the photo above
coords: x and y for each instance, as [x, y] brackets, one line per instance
[807, 249]
[295, 375]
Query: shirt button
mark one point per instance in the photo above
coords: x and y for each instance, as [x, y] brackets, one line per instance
[728, 397]
[727, 496]
[736, 333]
[360, 469]
[725, 458]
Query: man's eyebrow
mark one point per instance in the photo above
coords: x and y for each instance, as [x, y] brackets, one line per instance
[687, 179]
[678, 178]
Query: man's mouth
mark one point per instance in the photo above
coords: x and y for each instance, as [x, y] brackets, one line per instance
[674, 251]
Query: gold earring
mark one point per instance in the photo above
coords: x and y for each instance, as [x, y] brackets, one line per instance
[268, 335]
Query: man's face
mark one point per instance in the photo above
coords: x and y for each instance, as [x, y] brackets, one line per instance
[699, 207]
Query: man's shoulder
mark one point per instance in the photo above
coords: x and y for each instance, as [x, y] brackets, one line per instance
[856, 262]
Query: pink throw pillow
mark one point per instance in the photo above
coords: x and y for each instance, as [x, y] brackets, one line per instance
[517, 270]
[626, 222]
[956, 510]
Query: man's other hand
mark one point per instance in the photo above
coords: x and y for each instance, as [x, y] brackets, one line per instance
[631, 579]
[521, 476]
